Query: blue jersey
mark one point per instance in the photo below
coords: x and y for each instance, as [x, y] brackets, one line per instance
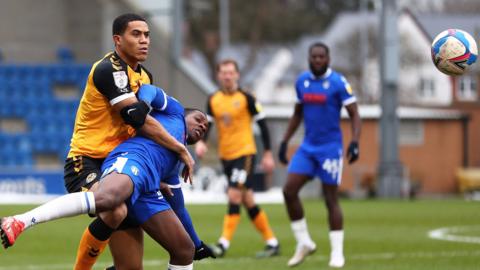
[146, 162]
[322, 99]
[157, 160]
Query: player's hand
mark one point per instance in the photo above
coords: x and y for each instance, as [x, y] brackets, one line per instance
[187, 172]
[282, 153]
[353, 152]
[201, 148]
[165, 189]
[203, 252]
[268, 164]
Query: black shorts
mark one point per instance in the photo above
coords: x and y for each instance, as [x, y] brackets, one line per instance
[81, 172]
[239, 171]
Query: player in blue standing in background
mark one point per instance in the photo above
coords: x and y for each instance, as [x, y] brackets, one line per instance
[133, 172]
[321, 93]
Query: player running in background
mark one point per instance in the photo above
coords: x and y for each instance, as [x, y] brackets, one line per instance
[132, 172]
[233, 110]
[109, 113]
[321, 93]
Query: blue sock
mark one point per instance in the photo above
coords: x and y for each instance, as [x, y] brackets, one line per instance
[178, 205]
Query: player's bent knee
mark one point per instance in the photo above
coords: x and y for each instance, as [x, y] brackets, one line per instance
[115, 217]
[184, 252]
[234, 196]
[106, 201]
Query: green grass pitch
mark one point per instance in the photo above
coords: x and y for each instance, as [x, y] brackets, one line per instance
[379, 234]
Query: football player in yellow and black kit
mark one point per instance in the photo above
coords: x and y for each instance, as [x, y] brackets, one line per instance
[233, 111]
[110, 113]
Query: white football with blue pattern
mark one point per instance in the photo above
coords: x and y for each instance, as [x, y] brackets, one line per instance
[453, 50]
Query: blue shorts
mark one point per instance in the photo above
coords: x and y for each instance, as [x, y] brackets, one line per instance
[324, 162]
[147, 205]
[146, 199]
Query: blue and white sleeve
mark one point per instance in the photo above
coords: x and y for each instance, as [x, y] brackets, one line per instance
[298, 91]
[346, 92]
[154, 96]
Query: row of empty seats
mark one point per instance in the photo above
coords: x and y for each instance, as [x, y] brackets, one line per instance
[29, 95]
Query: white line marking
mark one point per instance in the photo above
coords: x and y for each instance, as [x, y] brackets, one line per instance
[232, 261]
[448, 234]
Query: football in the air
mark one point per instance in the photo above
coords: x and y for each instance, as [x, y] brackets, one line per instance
[453, 51]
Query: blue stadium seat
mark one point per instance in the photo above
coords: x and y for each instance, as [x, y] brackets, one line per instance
[65, 54]
[29, 90]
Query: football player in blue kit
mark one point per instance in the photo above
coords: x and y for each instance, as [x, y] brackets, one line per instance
[170, 112]
[321, 93]
[133, 173]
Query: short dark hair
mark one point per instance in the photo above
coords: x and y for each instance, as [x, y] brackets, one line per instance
[319, 44]
[227, 61]
[188, 111]
[121, 22]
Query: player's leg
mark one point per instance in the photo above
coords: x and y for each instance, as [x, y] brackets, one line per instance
[230, 221]
[236, 179]
[335, 220]
[126, 247]
[160, 222]
[291, 191]
[305, 245]
[96, 237]
[80, 174]
[260, 221]
[257, 216]
[330, 174]
[115, 189]
[300, 171]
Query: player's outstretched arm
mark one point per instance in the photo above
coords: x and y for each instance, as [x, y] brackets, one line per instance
[293, 124]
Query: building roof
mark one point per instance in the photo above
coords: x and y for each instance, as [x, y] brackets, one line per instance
[433, 24]
[374, 112]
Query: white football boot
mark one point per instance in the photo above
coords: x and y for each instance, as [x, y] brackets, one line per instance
[301, 252]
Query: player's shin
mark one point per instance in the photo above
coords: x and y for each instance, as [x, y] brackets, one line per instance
[68, 205]
[260, 220]
[230, 223]
[64, 206]
[94, 240]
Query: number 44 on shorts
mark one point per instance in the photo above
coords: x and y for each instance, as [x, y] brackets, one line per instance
[332, 166]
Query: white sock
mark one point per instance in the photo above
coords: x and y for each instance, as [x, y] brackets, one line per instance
[336, 243]
[272, 242]
[68, 205]
[224, 242]
[300, 231]
[180, 267]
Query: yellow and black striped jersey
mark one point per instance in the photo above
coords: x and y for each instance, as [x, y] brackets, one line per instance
[98, 129]
[233, 114]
